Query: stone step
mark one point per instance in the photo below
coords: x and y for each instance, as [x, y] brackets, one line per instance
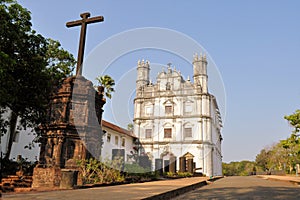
[7, 188]
[10, 183]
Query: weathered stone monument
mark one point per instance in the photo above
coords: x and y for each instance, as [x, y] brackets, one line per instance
[73, 128]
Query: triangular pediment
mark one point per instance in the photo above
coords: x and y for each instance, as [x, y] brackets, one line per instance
[169, 102]
[188, 155]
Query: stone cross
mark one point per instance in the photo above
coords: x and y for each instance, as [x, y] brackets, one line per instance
[83, 22]
[169, 64]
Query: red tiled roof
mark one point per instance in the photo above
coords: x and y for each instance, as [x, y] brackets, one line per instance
[117, 128]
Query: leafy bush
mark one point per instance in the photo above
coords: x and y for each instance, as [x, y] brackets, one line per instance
[22, 165]
[184, 174]
[95, 171]
[178, 174]
[135, 169]
[170, 174]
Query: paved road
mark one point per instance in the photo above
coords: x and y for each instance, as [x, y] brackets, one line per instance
[244, 188]
[123, 192]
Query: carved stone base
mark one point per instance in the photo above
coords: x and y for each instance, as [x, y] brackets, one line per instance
[46, 177]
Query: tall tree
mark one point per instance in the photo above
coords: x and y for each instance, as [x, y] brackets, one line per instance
[285, 154]
[30, 66]
[107, 83]
[292, 144]
[273, 158]
[292, 149]
[262, 159]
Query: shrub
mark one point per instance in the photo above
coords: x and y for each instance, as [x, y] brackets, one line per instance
[95, 171]
[184, 174]
[135, 169]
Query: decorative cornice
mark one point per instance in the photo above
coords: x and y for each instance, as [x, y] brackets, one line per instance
[172, 117]
[143, 142]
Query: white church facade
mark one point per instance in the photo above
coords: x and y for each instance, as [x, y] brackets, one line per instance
[176, 118]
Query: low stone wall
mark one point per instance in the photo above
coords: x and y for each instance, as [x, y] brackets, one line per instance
[278, 172]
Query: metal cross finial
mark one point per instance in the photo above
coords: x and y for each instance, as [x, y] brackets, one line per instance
[83, 22]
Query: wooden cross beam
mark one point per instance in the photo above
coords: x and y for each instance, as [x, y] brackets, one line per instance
[83, 22]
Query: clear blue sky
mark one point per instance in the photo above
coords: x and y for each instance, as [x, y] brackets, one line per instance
[255, 45]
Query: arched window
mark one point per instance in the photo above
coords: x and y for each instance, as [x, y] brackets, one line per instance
[187, 130]
[168, 130]
[169, 107]
[123, 142]
[108, 137]
[116, 140]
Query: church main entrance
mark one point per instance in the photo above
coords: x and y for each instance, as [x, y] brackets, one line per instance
[169, 162]
[166, 165]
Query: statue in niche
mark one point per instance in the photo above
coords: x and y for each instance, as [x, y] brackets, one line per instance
[168, 86]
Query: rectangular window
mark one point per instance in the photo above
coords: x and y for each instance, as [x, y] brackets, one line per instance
[17, 136]
[108, 137]
[167, 133]
[149, 111]
[188, 108]
[123, 142]
[168, 109]
[148, 133]
[116, 140]
[188, 132]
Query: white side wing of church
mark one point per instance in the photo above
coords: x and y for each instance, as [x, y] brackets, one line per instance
[178, 118]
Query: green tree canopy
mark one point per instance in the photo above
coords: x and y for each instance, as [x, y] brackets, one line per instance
[130, 126]
[294, 120]
[262, 159]
[31, 66]
[292, 144]
[107, 83]
[285, 154]
[241, 168]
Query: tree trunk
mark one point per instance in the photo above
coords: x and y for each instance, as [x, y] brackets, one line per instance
[12, 132]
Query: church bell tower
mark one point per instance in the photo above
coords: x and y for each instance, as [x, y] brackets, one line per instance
[143, 70]
[200, 72]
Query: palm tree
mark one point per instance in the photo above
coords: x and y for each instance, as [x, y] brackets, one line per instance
[107, 83]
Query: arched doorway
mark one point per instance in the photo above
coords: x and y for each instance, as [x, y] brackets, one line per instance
[168, 161]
